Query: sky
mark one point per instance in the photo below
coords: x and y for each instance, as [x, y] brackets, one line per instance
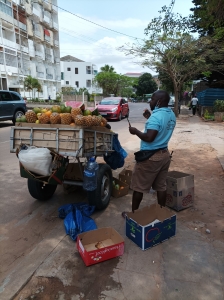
[91, 43]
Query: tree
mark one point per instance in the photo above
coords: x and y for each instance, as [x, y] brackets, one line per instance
[145, 85]
[112, 83]
[107, 68]
[208, 17]
[170, 49]
[28, 84]
[32, 84]
[208, 20]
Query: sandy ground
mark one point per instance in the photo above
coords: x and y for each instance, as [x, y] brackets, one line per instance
[192, 154]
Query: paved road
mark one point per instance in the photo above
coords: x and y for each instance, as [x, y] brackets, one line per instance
[25, 222]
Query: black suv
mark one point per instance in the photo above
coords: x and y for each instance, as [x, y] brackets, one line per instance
[12, 106]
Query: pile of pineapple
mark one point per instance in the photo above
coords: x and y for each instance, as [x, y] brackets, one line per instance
[64, 115]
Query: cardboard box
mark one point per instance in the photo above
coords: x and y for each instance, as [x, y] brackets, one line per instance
[180, 190]
[144, 232]
[121, 192]
[99, 245]
[179, 181]
[125, 176]
[179, 200]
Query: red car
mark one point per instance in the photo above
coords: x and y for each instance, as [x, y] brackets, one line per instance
[113, 108]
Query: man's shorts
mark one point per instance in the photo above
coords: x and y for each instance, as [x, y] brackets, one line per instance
[151, 173]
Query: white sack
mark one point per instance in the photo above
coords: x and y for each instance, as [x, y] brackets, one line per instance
[37, 160]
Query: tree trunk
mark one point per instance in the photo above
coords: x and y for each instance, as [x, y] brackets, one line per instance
[176, 95]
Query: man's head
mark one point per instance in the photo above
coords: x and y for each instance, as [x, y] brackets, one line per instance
[159, 98]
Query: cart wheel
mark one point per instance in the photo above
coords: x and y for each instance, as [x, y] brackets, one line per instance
[101, 196]
[39, 190]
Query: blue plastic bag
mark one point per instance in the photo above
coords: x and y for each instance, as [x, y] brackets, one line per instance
[77, 218]
[116, 158]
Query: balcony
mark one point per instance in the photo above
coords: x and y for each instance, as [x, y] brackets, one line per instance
[37, 33]
[47, 38]
[49, 76]
[38, 53]
[46, 19]
[24, 49]
[56, 43]
[48, 56]
[36, 12]
[8, 43]
[22, 26]
[57, 59]
[58, 78]
[40, 74]
[55, 25]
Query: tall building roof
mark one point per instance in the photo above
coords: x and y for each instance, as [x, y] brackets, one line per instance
[71, 58]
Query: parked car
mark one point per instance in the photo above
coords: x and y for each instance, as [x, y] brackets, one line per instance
[171, 103]
[12, 106]
[113, 108]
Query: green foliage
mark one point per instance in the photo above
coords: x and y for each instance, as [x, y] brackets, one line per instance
[32, 84]
[113, 83]
[170, 50]
[107, 68]
[208, 17]
[145, 85]
[206, 115]
[219, 106]
[68, 90]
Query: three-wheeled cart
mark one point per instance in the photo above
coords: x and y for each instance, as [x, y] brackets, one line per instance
[70, 146]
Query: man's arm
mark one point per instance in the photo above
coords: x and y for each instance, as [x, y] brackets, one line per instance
[149, 136]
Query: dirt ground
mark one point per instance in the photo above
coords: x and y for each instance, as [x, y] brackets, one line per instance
[207, 213]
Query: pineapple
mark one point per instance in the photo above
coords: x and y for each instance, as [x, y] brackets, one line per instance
[55, 118]
[87, 121]
[104, 121]
[79, 120]
[75, 112]
[31, 117]
[43, 118]
[66, 119]
[94, 121]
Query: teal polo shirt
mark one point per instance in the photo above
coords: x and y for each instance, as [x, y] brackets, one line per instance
[163, 120]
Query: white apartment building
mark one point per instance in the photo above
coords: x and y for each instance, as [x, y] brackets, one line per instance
[29, 45]
[78, 74]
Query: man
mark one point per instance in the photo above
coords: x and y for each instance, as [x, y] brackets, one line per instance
[194, 104]
[152, 172]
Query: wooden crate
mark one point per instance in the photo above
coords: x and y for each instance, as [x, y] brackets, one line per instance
[63, 139]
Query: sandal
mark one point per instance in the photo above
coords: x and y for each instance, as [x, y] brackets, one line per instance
[124, 214]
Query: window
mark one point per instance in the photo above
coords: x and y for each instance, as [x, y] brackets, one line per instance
[88, 83]
[77, 83]
[68, 69]
[76, 71]
[62, 75]
[5, 96]
[88, 70]
[67, 82]
[14, 96]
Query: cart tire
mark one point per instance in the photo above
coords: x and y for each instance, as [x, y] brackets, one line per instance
[100, 198]
[39, 190]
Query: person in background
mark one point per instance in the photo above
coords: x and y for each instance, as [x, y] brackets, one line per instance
[194, 104]
[152, 172]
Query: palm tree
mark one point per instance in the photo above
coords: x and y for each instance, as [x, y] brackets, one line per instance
[107, 68]
[28, 84]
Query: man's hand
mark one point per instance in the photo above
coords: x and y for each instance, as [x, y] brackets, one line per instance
[146, 113]
[133, 130]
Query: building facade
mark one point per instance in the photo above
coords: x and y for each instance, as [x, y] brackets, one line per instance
[29, 45]
[78, 74]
